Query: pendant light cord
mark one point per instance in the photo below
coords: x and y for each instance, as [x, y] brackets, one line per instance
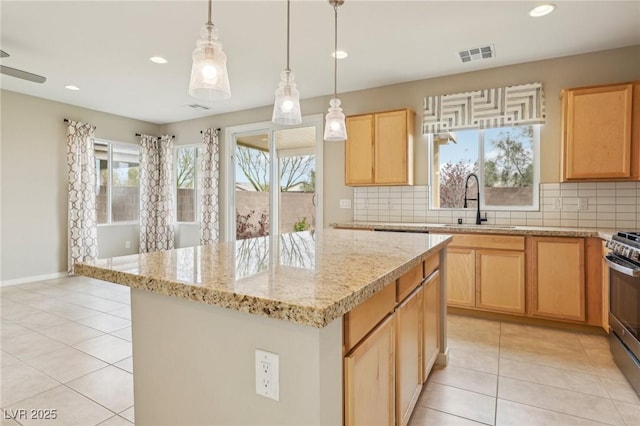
[288, 43]
[335, 51]
[209, 22]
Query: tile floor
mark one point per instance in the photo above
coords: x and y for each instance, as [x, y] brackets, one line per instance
[66, 345]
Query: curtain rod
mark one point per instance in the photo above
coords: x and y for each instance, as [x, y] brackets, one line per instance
[66, 120]
[218, 129]
[172, 136]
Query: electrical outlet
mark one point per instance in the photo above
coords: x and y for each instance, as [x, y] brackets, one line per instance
[345, 204]
[557, 203]
[127, 244]
[267, 374]
[583, 204]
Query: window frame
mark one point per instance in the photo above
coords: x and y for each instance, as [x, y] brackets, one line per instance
[481, 160]
[196, 172]
[110, 144]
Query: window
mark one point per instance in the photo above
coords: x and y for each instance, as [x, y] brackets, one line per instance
[505, 159]
[118, 180]
[187, 175]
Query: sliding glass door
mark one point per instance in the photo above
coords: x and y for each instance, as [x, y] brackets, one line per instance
[275, 183]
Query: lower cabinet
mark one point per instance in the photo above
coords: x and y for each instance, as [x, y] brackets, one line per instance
[369, 378]
[408, 355]
[487, 272]
[556, 278]
[430, 323]
[391, 342]
[500, 280]
[461, 277]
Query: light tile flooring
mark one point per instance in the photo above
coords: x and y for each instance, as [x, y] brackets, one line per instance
[66, 345]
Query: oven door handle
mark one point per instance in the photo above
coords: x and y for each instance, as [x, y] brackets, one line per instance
[618, 265]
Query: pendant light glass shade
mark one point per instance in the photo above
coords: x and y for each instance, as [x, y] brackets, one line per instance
[286, 109]
[335, 129]
[209, 78]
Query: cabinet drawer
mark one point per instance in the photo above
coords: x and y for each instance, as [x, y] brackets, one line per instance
[499, 242]
[431, 264]
[363, 318]
[409, 281]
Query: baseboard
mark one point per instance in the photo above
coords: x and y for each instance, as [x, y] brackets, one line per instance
[24, 280]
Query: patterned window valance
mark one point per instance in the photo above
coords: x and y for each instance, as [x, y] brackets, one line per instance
[497, 107]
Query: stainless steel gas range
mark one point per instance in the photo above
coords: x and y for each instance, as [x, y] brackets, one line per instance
[624, 307]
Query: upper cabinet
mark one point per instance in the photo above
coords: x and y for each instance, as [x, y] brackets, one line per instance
[379, 148]
[601, 133]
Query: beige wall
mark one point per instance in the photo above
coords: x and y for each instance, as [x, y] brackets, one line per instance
[205, 374]
[34, 183]
[34, 211]
[574, 71]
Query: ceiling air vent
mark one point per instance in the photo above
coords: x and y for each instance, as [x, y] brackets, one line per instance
[477, 53]
[198, 106]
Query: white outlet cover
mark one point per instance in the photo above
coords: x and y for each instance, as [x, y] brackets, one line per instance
[267, 374]
[345, 204]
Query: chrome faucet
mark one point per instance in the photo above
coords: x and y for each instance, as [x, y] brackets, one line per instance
[479, 220]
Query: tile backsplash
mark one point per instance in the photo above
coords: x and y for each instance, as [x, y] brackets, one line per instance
[614, 205]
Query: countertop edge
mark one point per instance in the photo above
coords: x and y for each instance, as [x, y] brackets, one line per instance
[303, 315]
[604, 234]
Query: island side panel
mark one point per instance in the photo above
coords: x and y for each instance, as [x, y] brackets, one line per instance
[443, 356]
[195, 364]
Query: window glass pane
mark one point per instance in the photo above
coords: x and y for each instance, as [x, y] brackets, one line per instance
[508, 166]
[252, 188]
[186, 181]
[101, 152]
[125, 184]
[455, 156]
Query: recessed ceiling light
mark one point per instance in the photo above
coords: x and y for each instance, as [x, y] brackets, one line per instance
[158, 60]
[72, 87]
[339, 54]
[542, 10]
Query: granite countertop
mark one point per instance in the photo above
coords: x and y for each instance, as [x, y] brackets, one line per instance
[308, 278]
[542, 231]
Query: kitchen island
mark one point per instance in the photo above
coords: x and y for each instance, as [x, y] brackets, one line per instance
[199, 314]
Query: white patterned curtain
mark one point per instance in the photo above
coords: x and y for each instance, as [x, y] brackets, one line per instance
[209, 175]
[83, 230]
[156, 193]
[487, 108]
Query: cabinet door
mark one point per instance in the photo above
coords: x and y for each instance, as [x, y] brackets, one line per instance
[392, 144]
[359, 150]
[556, 280]
[369, 378]
[500, 280]
[597, 132]
[431, 323]
[408, 356]
[461, 276]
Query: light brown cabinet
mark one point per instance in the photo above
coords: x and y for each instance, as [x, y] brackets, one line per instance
[390, 343]
[486, 272]
[379, 148]
[369, 378]
[601, 132]
[461, 277]
[430, 323]
[500, 280]
[556, 278]
[408, 356]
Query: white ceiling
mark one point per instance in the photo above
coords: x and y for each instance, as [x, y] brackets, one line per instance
[103, 46]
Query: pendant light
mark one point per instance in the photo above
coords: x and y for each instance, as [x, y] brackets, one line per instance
[286, 108]
[335, 128]
[209, 78]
